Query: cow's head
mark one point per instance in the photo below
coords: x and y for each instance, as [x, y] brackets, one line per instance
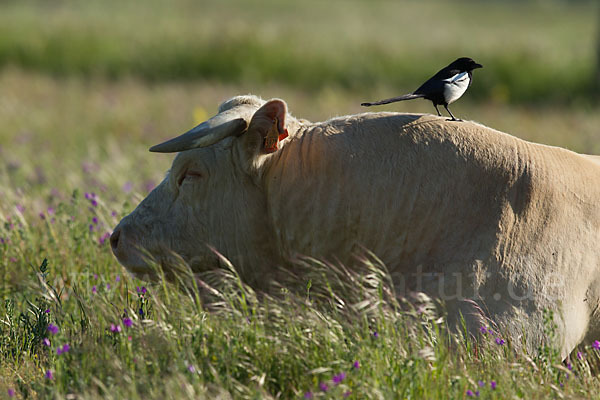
[213, 197]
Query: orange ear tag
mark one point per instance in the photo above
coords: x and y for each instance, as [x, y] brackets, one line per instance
[283, 135]
[274, 136]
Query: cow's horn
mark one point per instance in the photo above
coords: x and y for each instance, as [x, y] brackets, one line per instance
[205, 134]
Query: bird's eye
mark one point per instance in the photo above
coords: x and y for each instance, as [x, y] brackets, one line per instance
[189, 176]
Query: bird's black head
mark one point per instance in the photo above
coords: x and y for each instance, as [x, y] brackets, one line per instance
[465, 64]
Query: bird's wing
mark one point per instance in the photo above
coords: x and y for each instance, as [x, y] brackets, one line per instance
[446, 73]
[460, 77]
[432, 87]
[436, 83]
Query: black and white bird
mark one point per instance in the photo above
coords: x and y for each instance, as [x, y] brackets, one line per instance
[444, 88]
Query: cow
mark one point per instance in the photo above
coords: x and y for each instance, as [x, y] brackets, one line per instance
[456, 210]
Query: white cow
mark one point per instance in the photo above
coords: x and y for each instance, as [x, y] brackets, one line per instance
[456, 210]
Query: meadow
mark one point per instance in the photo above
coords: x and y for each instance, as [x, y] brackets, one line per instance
[87, 87]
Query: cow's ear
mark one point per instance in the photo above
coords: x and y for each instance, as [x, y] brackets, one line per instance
[266, 130]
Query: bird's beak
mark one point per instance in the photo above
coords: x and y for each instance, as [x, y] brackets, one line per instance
[477, 66]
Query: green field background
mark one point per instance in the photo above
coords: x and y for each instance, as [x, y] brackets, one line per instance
[532, 50]
[86, 87]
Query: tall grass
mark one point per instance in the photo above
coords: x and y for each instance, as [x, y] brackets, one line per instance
[345, 335]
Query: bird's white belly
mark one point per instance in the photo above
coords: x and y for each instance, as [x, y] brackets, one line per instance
[455, 87]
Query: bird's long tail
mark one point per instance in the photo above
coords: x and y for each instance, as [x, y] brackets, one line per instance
[393, 100]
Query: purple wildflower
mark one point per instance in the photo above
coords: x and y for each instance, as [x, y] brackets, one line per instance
[50, 211]
[142, 289]
[347, 394]
[470, 393]
[308, 395]
[12, 259]
[579, 355]
[42, 216]
[113, 214]
[95, 276]
[127, 322]
[94, 202]
[483, 330]
[46, 342]
[20, 208]
[481, 383]
[337, 379]
[118, 278]
[115, 328]
[375, 335]
[47, 311]
[95, 220]
[91, 228]
[94, 289]
[149, 185]
[191, 368]
[596, 344]
[102, 239]
[356, 364]
[127, 186]
[53, 329]
[11, 392]
[49, 374]
[493, 385]
[108, 286]
[66, 348]
[499, 341]
[323, 386]
[569, 366]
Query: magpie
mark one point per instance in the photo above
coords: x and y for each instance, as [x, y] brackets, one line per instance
[444, 88]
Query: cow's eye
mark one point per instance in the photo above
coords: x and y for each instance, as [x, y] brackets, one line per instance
[188, 176]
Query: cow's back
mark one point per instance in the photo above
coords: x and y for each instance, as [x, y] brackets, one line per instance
[398, 183]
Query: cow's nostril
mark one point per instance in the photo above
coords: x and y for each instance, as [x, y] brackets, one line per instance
[114, 240]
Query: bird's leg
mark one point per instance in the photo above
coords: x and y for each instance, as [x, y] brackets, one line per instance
[438, 111]
[450, 112]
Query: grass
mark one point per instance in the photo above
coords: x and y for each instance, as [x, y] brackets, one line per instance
[372, 47]
[87, 87]
[367, 345]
